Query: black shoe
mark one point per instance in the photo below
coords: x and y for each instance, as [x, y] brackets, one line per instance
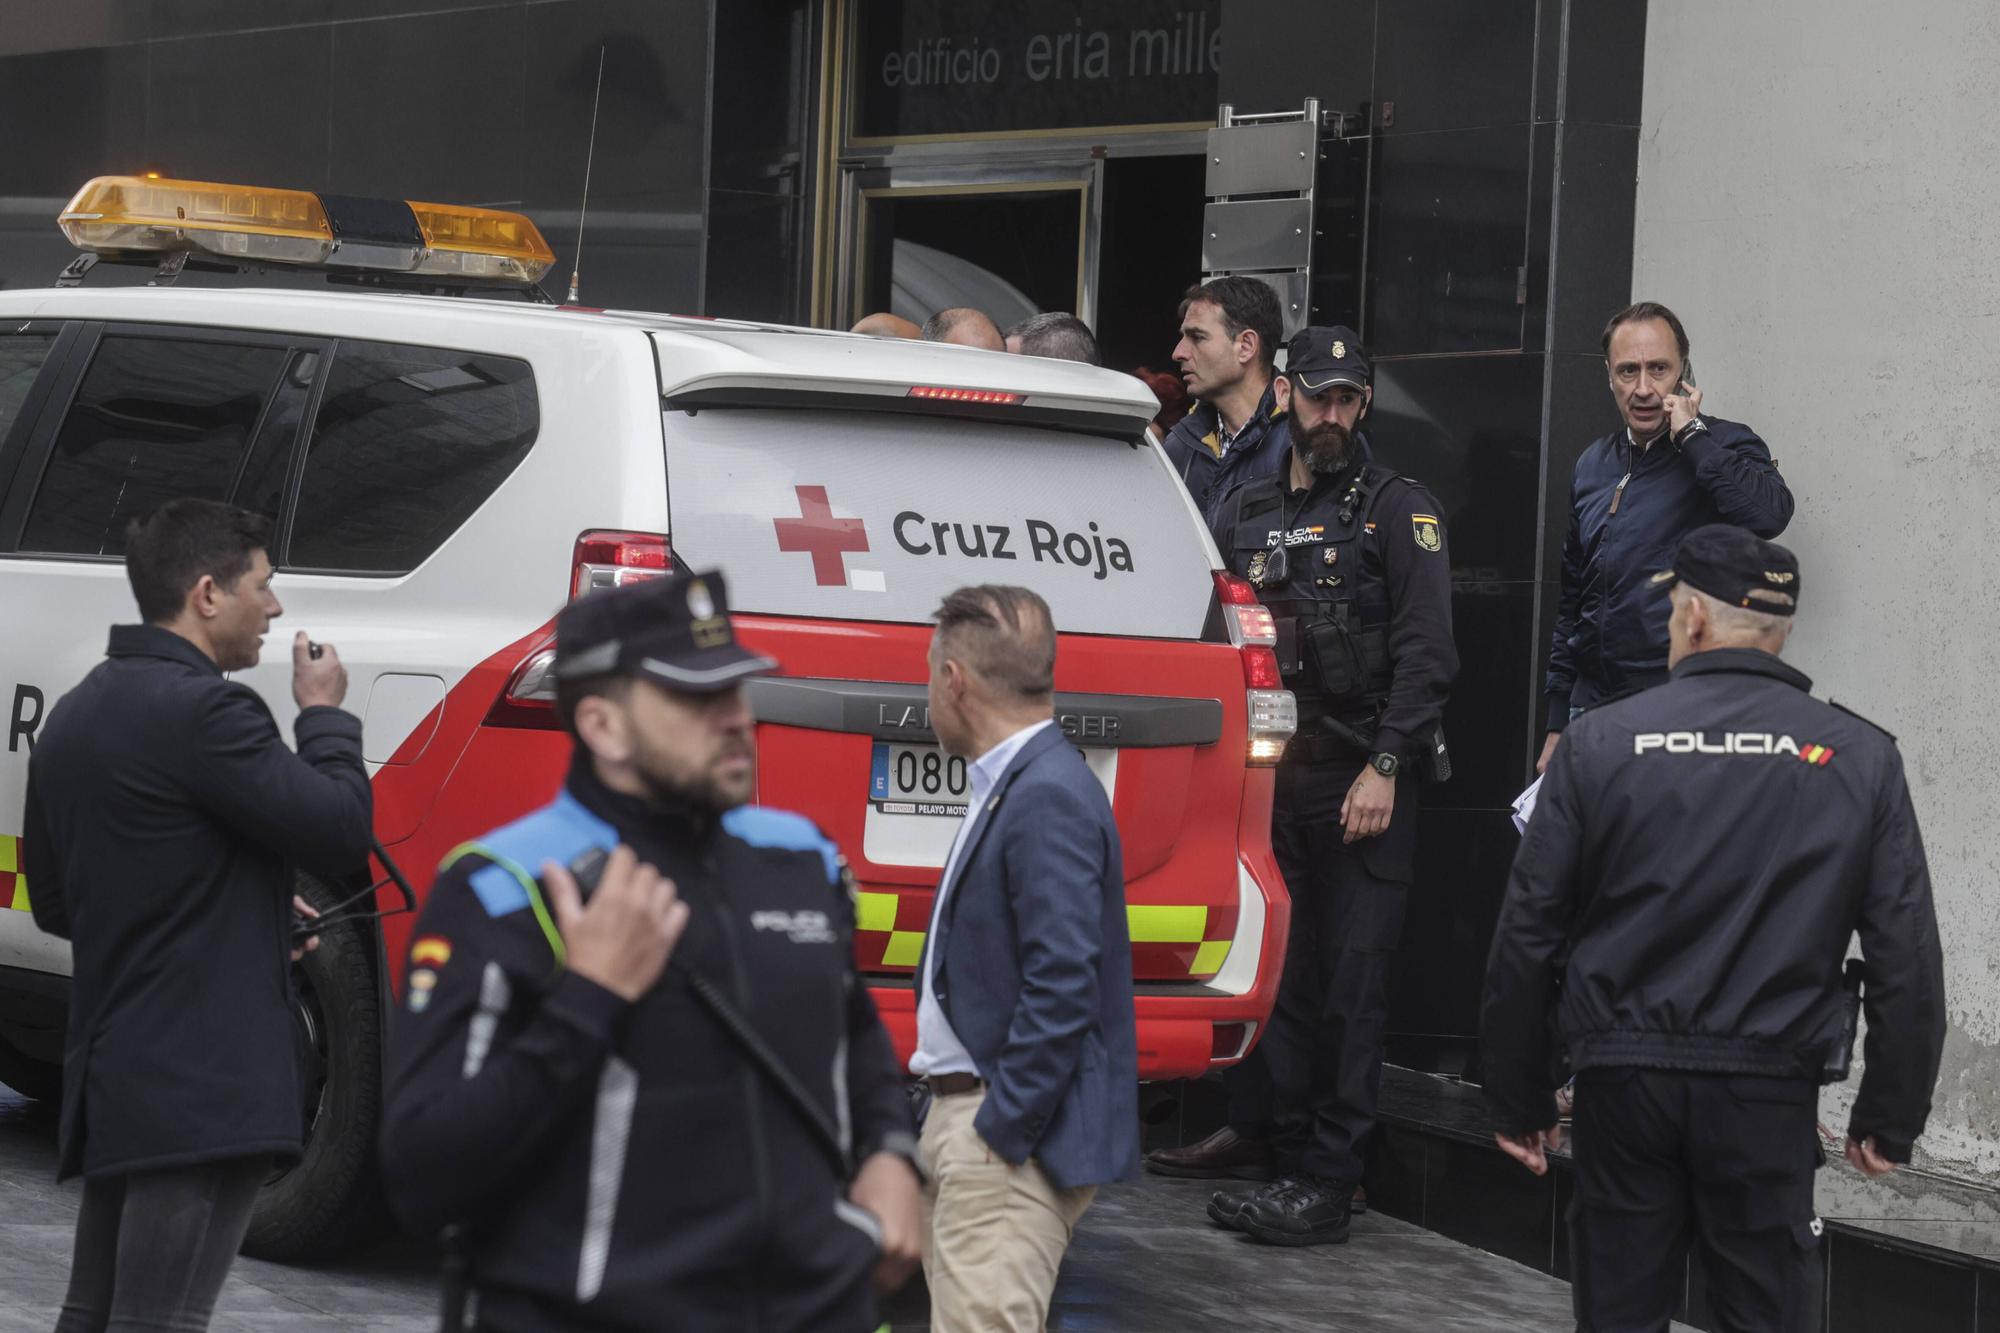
[1225, 1207]
[1304, 1210]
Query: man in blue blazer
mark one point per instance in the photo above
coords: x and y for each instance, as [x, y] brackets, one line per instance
[1024, 1013]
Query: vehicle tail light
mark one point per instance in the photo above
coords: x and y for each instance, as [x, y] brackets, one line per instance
[602, 560]
[945, 393]
[1274, 713]
[530, 697]
[614, 559]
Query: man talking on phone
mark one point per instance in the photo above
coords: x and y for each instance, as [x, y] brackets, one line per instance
[634, 1063]
[1668, 469]
[165, 816]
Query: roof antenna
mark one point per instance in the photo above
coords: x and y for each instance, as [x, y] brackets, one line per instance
[589, 154]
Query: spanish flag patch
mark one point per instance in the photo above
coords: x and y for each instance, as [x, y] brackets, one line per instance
[430, 951]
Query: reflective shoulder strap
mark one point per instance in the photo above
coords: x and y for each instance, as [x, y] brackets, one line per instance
[529, 885]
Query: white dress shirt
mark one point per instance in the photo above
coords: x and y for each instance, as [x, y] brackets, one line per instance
[938, 1049]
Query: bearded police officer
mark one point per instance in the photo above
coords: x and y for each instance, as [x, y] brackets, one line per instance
[642, 1101]
[1350, 559]
[1699, 858]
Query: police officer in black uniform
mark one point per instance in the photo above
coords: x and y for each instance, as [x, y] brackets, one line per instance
[568, 1082]
[1350, 559]
[1699, 858]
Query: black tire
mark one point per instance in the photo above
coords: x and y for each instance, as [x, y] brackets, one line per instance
[330, 1200]
[37, 1080]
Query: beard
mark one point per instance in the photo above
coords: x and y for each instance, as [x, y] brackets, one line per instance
[706, 790]
[1326, 448]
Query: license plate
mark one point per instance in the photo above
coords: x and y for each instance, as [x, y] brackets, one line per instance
[918, 780]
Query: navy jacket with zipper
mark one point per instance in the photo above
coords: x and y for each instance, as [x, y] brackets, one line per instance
[165, 818]
[1194, 447]
[624, 1166]
[1699, 858]
[1628, 511]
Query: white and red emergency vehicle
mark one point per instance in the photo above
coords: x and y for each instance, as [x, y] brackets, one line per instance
[443, 472]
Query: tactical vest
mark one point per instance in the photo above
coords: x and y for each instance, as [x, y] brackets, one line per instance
[1332, 620]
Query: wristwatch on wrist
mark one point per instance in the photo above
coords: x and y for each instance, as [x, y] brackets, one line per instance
[1385, 763]
[1694, 427]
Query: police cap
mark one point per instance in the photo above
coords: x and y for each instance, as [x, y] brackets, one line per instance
[1731, 564]
[1319, 358]
[674, 631]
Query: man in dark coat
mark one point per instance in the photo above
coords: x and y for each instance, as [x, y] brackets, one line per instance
[164, 816]
[1668, 469]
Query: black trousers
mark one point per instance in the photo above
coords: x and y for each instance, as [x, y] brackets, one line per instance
[1318, 1069]
[1665, 1159]
[153, 1248]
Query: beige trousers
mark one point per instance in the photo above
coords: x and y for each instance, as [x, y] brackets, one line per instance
[994, 1234]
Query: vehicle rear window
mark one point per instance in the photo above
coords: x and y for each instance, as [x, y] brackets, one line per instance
[21, 357]
[155, 419]
[409, 441]
[869, 516]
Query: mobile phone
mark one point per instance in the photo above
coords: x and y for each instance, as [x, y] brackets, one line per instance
[587, 869]
[1687, 374]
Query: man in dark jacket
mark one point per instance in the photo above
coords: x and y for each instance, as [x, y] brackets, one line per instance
[1666, 471]
[1227, 354]
[164, 816]
[1699, 858]
[559, 1084]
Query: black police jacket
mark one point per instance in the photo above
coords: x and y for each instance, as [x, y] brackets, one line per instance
[164, 815]
[1373, 559]
[624, 1166]
[1628, 510]
[1194, 447]
[1699, 857]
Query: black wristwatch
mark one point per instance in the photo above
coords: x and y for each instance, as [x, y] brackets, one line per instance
[1385, 763]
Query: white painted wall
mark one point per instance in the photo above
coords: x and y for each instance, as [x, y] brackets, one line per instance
[1819, 199]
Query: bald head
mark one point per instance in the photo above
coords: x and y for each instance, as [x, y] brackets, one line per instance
[966, 327]
[882, 324]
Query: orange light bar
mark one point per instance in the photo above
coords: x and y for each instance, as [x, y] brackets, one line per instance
[997, 397]
[481, 243]
[147, 214]
[136, 213]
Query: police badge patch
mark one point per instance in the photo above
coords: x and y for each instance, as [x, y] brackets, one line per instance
[1426, 527]
[1256, 571]
[1331, 554]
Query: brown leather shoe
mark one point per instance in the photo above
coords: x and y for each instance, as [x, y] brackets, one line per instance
[1222, 1155]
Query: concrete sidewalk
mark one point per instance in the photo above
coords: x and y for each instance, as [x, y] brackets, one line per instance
[1144, 1260]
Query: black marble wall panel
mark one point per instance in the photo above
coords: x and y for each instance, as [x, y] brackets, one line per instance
[1461, 873]
[1873, 1289]
[1447, 241]
[652, 120]
[242, 106]
[1453, 64]
[1274, 56]
[1607, 67]
[751, 260]
[1597, 180]
[761, 133]
[70, 112]
[429, 107]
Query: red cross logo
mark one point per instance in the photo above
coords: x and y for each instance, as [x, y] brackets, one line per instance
[825, 537]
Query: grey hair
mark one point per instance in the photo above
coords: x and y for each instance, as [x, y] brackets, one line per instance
[1740, 624]
[1005, 635]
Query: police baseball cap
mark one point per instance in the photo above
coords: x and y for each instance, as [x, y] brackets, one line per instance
[1730, 564]
[1319, 358]
[674, 631]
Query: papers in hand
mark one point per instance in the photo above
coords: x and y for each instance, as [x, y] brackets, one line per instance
[1524, 806]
